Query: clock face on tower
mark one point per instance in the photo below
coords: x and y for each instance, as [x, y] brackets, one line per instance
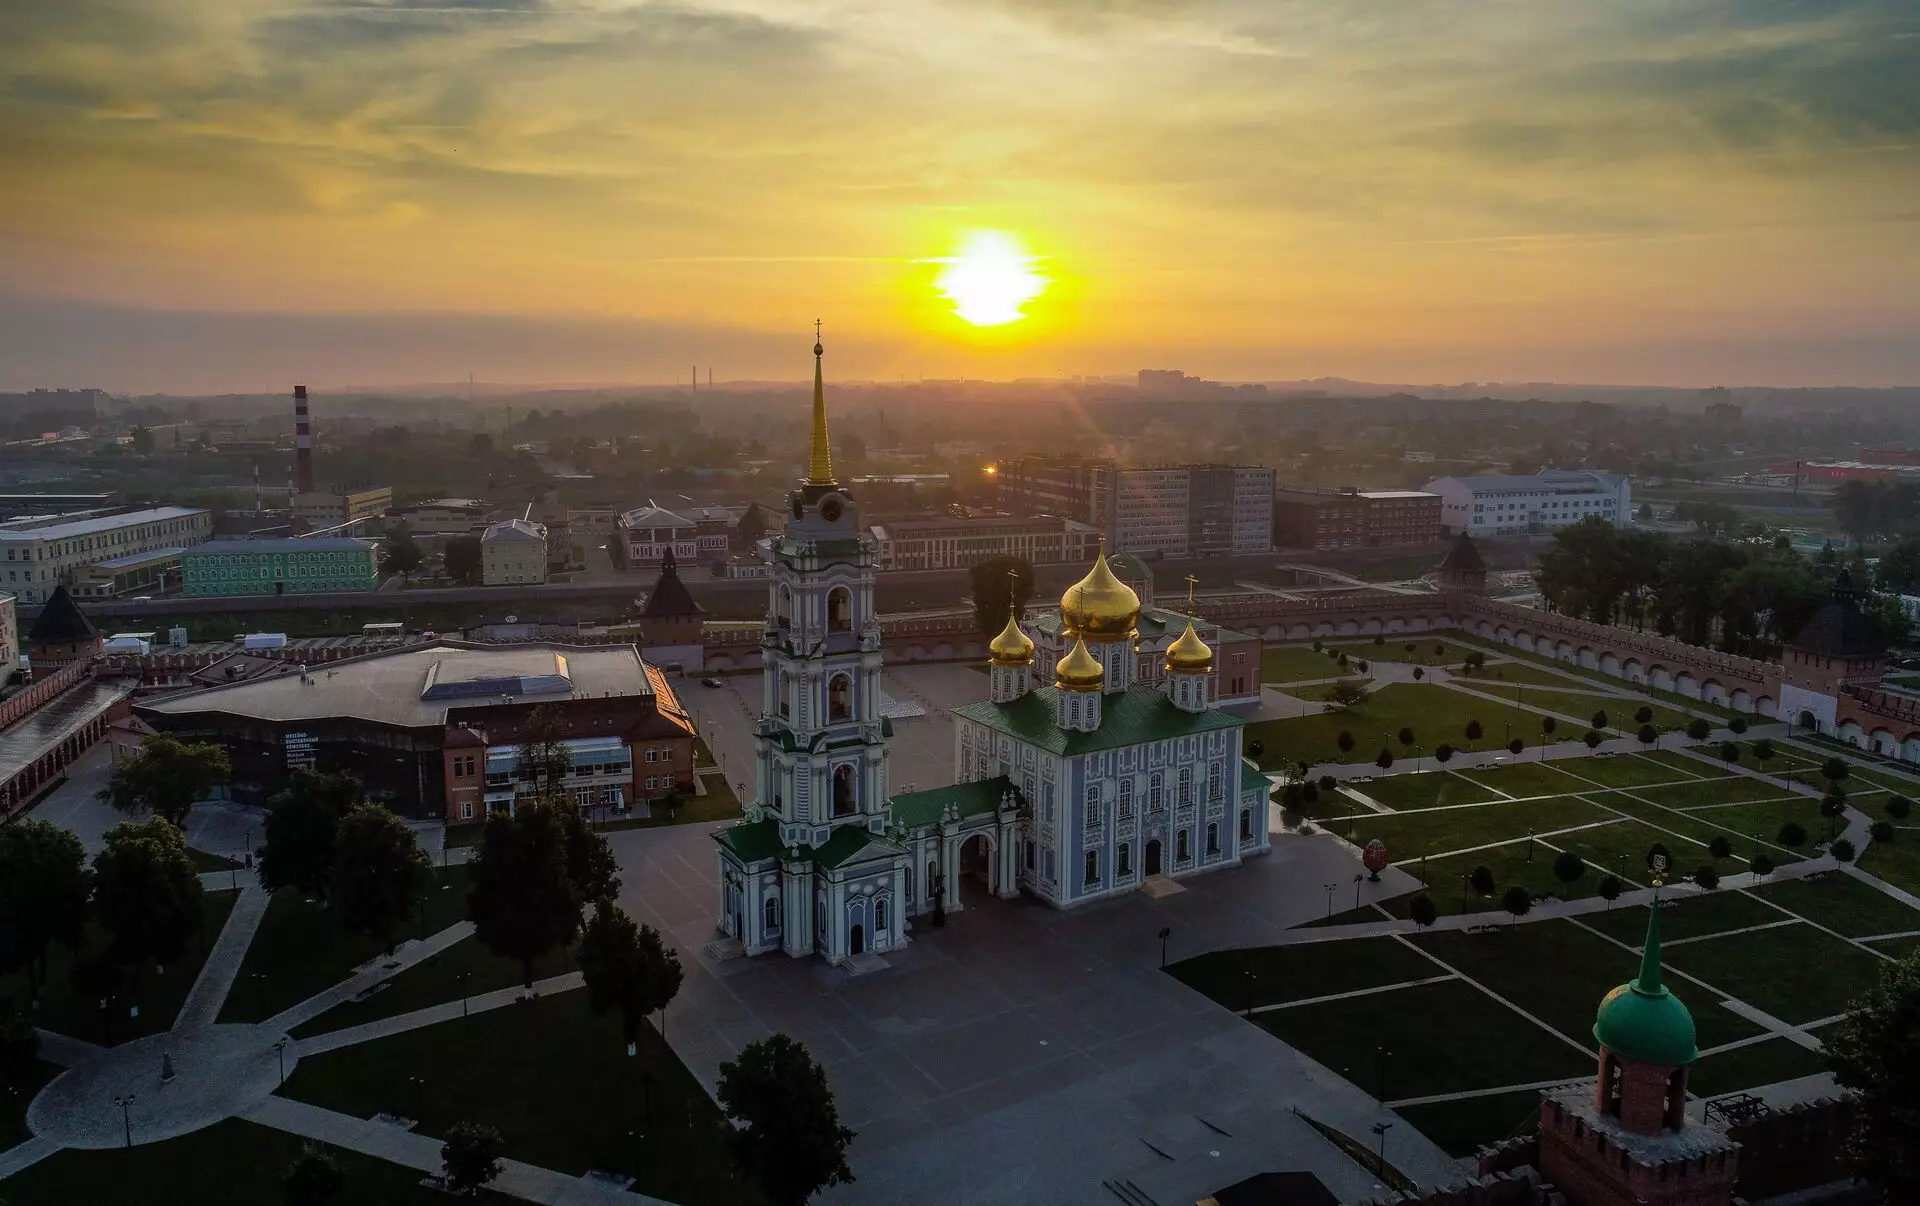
[830, 508]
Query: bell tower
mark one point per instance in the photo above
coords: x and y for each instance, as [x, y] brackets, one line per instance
[822, 742]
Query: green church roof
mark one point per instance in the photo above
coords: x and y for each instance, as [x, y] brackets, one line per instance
[1642, 1020]
[1140, 714]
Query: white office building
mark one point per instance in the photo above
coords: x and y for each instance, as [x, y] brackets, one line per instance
[45, 551]
[1508, 505]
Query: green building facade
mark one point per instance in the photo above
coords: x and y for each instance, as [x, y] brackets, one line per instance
[279, 566]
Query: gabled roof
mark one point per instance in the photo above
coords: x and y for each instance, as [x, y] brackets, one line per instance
[514, 529]
[654, 517]
[1140, 714]
[1252, 778]
[1463, 557]
[61, 621]
[670, 595]
[914, 809]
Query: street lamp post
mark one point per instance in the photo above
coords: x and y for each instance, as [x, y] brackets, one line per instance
[462, 977]
[1249, 1012]
[1329, 888]
[1381, 1129]
[280, 1051]
[1165, 932]
[1358, 879]
[1529, 845]
[419, 1098]
[125, 1102]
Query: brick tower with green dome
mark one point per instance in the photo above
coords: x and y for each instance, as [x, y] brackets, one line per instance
[1627, 1138]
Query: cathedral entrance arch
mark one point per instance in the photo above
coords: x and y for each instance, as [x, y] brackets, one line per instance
[1153, 857]
[977, 869]
[857, 941]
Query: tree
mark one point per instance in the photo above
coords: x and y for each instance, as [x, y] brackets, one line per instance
[302, 824]
[1791, 835]
[1328, 782]
[1406, 736]
[1474, 730]
[1842, 850]
[43, 897]
[1418, 674]
[523, 903]
[19, 1046]
[400, 555]
[1610, 889]
[1720, 847]
[1881, 832]
[1871, 1051]
[1834, 770]
[1600, 719]
[627, 968]
[165, 777]
[1345, 742]
[462, 560]
[1443, 753]
[1729, 751]
[1698, 729]
[1593, 738]
[544, 760]
[1422, 910]
[1833, 806]
[1568, 866]
[1738, 725]
[470, 1158]
[1385, 759]
[1647, 734]
[591, 867]
[1473, 662]
[1761, 865]
[1643, 714]
[377, 870]
[1548, 724]
[1763, 751]
[1480, 879]
[146, 893]
[313, 1179]
[1706, 877]
[1899, 807]
[1347, 693]
[787, 1138]
[753, 525]
[1517, 901]
[1000, 585]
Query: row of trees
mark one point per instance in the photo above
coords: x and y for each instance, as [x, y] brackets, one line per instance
[1877, 509]
[1741, 596]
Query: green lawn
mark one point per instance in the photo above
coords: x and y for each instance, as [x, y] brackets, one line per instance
[1434, 713]
[1395, 650]
[1296, 973]
[464, 969]
[300, 951]
[1688, 766]
[1620, 710]
[1732, 790]
[1752, 1066]
[1526, 779]
[1897, 862]
[1621, 770]
[1510, 866]
[1796, 973]
[1295, 664]
[1691, 832]
[1765, 818]
[556, 1082]
[204, 862]
[1685, 917]
[1461, 1128]
[1897, 948]
[1429, 789]
[1437, 1038]
[67, 1010]
[1843, 904]
[1647, 689]
[1495, 674]
[231, 1163]
[1621, 849]
[1435, 832]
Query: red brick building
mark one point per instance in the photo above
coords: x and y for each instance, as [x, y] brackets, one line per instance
[1346, 519]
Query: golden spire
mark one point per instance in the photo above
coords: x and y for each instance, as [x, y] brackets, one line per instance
[820, 461]
[1189, 653]
[1012, 647]
[1079, 670]
[1100, 607]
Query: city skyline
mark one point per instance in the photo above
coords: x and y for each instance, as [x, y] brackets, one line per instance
[1711, 193]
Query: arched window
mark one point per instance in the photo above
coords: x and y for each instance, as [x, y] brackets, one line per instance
[879, 918]
[1093, 805]
[1185, 798]
[843, 802]
[1183, 846]
[1126, 799]
[1213, 783]
[1246, 824]
[1156, 794]
[1213, 837]
[1093, 867]
[782, 689]
[772, 914]
[839, 697]
[1126, 860]
[783, 607]
[839, 610]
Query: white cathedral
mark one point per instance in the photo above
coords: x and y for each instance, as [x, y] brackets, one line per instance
[1071, 790]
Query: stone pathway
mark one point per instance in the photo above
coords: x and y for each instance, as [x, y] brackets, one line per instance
[407, 955]
[222, 967]
[432, 1015]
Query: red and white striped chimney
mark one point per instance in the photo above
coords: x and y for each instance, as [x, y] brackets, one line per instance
[302, 440]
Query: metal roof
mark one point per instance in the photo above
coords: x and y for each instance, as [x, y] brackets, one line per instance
[127, 559]
[98, 524]
[283, 544]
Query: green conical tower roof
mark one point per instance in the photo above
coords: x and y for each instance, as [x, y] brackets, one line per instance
[1642, 1020]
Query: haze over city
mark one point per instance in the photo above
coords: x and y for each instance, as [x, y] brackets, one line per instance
[227, 194]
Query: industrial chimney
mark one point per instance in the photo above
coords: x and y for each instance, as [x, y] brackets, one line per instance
[302, 441]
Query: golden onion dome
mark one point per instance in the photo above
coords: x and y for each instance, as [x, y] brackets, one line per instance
[1189, 653]
[1099, 607]
[1079, 670]
[1012, 647]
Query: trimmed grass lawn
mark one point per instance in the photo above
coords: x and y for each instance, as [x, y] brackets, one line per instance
[1843, 904]
[1621, 849]
[1782, 759]
[1752, 1066]
[1897, 948]
[1295, 664]
[594, 1121]
[1496, 673]
[1324, 692]
[1796, 973]
[719, 804]
[435, 981]
[1409, 835]
[1509, 865]
[1646, 689]
[1438, 1038]
[204, 862]
[67, 1010]
[1765, 818]
[1621, 770]
[1461, 1128]
[1526, 779]
[1887, 779]
[1897, 862]
[1429, 789]
[1685, 917]
[1688, 766]
[1434, 713]
[1732, 790]
[231, 1163]
[1395, 650]
[1691, 832]
[1620, 709]
[1296, 973]
[299, 950]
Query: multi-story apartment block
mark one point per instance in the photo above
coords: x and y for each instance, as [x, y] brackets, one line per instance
[279, 566]
[942, 541]
[1170, 510]
[1342, 519]
[1552, 498]
[43, 552]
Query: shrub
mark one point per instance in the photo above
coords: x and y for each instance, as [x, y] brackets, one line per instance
[1834, 769]
[1480, 879]
[1706, 877]
[1318, 646]
[1344, 741]
[1899, 807]
[1842, 850]
[1418, 674]
[1517, 901]
[1611, 887]
[1568, 866]
[1761, 865]
[1548, 724]
[1698, 729]
[1647, 734]
[1328, 782]
[1515, 746]
[1255, 748]
[1738, 724]
[1422, 910]
[1720, 847]
[1881, 831]
[1385, 760]
[1792, 835]
[1600, 720]
[1593, 738]
[1379, 639]
[1644, 714]
[1443, 753]
[1729, 751]
[1474, 730]
[1406, 736]
[1763, 749]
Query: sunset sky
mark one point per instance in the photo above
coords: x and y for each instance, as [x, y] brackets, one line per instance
[1663, 191]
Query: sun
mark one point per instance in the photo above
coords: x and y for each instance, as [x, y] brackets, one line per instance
[990, 279]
